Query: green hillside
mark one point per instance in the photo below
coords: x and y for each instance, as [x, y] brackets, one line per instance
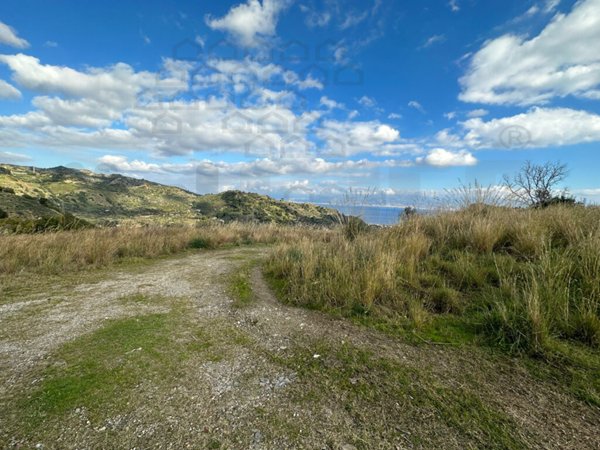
[28, 193]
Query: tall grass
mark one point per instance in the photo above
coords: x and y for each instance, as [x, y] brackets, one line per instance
[65, 251]
[524, 276]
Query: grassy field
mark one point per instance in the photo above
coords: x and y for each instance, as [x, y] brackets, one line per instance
[471, 329]
[523, 280]
[67, 251]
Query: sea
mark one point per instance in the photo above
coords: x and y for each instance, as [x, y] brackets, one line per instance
[374, 215]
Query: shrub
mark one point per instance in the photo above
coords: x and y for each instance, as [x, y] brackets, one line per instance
[353, 227]
[201, 242]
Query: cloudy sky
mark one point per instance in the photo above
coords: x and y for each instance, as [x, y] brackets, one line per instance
[303, 99]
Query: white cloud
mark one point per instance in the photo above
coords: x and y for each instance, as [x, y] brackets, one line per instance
[118, 108]
[448, 139]
[477, 113]
[440, 157]
[115, 108]
[117, 163]
[587, 191]
[51, 44]
[8, 36]
[250, 22]
[538, 127]
[551, 5]
[367, 101]
[256, 168]
[416, 105]
[314, 18]
[394, 116]
[329, 103]
[8, 92]
[435, 39]
[559, 62]
[117, 85]
[453, 4]
[450, 115]
[353, 18]
[249, 74]
[347, 138]
[200, 41]
[14, 158]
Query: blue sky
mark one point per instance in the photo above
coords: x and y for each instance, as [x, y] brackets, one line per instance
[304, 99]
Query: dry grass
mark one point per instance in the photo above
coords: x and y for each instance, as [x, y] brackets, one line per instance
[56, 253]
[526, 276]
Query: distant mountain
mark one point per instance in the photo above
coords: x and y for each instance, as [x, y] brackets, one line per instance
[30, 193]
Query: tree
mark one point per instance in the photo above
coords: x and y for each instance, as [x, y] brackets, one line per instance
[535, 184]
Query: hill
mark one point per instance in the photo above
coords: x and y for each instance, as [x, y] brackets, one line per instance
[28, 193]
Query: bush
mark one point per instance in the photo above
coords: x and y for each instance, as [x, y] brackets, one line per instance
[353, 227]
[19, 225]
[3, 214]
[202, 242]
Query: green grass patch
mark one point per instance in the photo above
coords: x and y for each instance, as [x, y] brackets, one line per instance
[103, 370]
[240, 285]
[377, 391]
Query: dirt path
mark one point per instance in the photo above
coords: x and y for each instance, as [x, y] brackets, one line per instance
[275, 376]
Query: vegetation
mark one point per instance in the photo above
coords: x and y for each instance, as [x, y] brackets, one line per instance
[29, 194]
[100, 373]
[535, 184]
[63, 251]
[524, 279]
[240, 286]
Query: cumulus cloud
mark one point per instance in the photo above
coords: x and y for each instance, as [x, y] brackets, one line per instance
[117, 107]
[440, 157]
[116, 86]
[329, 103]
[250, 22]
[558, 62]
[347, 138]
[256, 168]
[8, 91]
[477, 113]
[8, 36]
[538, 127]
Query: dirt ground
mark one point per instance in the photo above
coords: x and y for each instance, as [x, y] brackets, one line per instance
[277, 377]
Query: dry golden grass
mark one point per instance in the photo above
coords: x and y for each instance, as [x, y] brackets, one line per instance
[526, 275]
[72, 250]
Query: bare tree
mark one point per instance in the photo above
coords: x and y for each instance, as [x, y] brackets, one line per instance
[535, 184]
